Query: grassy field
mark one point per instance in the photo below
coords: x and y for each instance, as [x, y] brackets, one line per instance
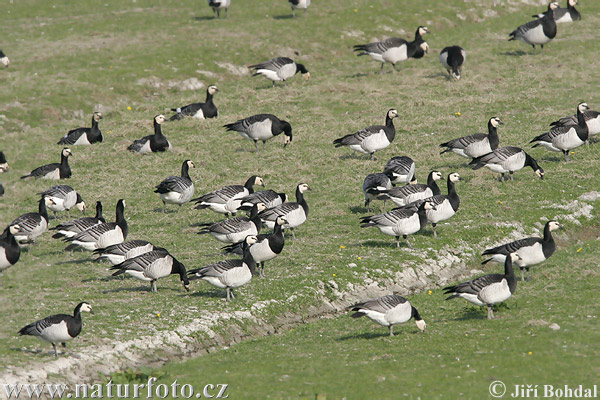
[130, 57]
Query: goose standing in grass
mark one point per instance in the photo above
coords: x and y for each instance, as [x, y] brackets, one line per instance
[389, 311]
[152, 143]
[404, 195]
[565, 137]
[279, 69]
[538, 32]
[10, 252]
[53, 171]
[198, 110]
[217, 5]
[294, 213]
[507, 160]
[151, 266]
[102, 235]
[445, 206]
[32, 225]
[117, 253]
[400, 169]
[4, 59]
[262, 127]
[235, 230]
[177, 189]
[3, 163]
[475, 145]
[227, 199]
[373, 138]
[228, 274]
[1, 189]
[392, 50]
[72, 228]
[373, 185]
[489, 289]
[299, 4]
[531, 250]
[270, 199]
[421, 30]
[83, 136]
[562, 15]
[64, 198]
[58, 328]
[452, 59]
[400, 221]
[592, 120]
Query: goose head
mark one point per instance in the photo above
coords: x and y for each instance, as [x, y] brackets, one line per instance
[496, 122]
[159, 119]
[392, 113]
[212, 89]
[554, 225]
[97, 116]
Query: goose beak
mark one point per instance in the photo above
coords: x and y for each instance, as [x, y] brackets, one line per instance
[186, 287]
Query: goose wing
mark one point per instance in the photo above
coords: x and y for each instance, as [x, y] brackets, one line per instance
[141, 262]
[232, 225]
[273, 64]
[73, 135]
[215, 270]
[173, 184]
[281, 210]
[94, 233]
[359, 137]
[512, 247]
[523, 29]
[27, 222]
[36, 328]
[223, 195]
[382, 46]
[382, 304]
[476, 285]
[44, 170]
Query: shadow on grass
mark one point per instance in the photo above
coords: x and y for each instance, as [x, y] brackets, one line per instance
[205, 18]
[359, 75]
[359, 210]
[366, 335]
[354, 156]
[287, 16]
[381, 243]
[165, 211]
[516, 53]
[212, 293]
[439, 75]
[78, 261]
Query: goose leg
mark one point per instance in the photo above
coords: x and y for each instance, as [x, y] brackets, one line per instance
[293, 13]
[381, 69]
[264, 144]
[164, 207]
[522, 275]
[227, 13]
[153, 286]
[384, 205]
[262, 270]
[372, 156]
[391, 330]
[527, 273]
[55, 352]
[501, 177]
[293, 235]
[407, 242]
[490, 312]
[397, 241]
[434, 230]
[228, 294]
[566, 153]
[512, 178]
[256, 145]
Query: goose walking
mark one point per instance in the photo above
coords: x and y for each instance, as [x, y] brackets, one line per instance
[445, 206]
[475, 145]
[295, 213]
[300, 4]
[55, 170]
[32, 225]
[228, 199]
[84, 136]
[270, 199]
[177, 189]
[373, 138]
[4, 59]
[592, 120]
[235, 230]
[72, 228]
[262, 127]
[64, 198]
[405, 195]
[400, 169]
[538, 32]
[217, 5]
[389, 311]
[373, 186]
[199, 110]
[102, 235]
[10, 252]
[279, 69]
[117, 253]
[59, 328]
[392, 50]
[507, 160]
[152, 143]
[562, 15]
[3, 163]
[452, 59]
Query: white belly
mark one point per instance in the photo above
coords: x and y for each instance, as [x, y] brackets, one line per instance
[56, 333]
[376, 317]
[54, 174]
[442, 212]
[375, 142]
[535, 36]
[260, 130]
[395, 54]
[139, 275]
[287, 71]
[593, 126]
[199, 114]
[146, 148]
[83, 140]
[358, 147]
[495, 293]
[549, 146]
[267, 73]
[496, 168]
[4, 264]
[472, 298]
[236, 277]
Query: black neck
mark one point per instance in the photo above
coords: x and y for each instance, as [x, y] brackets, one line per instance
[42, 209]
[433, 185]
[256, 220]
[248, 259]
[415, 314]
[301, 68]
[531, 162]
[157, 129]
[421, 212]
[390, 132]
[99, 211]
[548, 234]
[185, 170]
[509, 274]
[493, 136]
[300, 200]
[94, 123]
[120, 220]
[454, 199]
[209, 97]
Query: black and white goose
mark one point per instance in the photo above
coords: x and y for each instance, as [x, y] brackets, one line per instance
[4, 59]
[507, 160]
[400, 169]
[117, 253]
[392, 50]
[235, 230]
[445, 206]
[262, 127]
[227, 199]
[102, 235]
[565, 138]
[177, 189]
[151, 266]
[538, 32]
[72, 228]
[59, 328]
[404, 195]
[64, 198]
[228, 274]
[32, 225]
[389, 311]
[270, 199]
[279, 69]
[295, 213]
[531, 250]
[452, 58]
[373, 186]
[489, 289]
[400, 221]
[152, 143]
[3, 163]
[475, 145]
[83, 136]
[299, 4]
[198, 110]
[373, 138]
[218, 5]
[592, 120]
[10, 252]
[561, 15]
[55, 170]
[421, 30]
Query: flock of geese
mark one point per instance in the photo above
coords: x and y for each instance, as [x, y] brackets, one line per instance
[416, 204]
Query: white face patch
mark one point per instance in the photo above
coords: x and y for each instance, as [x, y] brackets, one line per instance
[259, 181]
[303, 187]
[429, 206]
[14, 229]
[160, 119]
[81, 206]
[554, 5]
[425, 47]
[251, 239]
[421, 325]
[554, 226]
[66, 152]
[86, 308]
[437, 176]
[514, 257]
[190, 164]
[454, 177]
[212, 89]
[5, 61]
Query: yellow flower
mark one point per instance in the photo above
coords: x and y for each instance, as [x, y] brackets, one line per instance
[129, 108]
[334, 275]
[342, 247]
[530, 353]
[158, 315]
[356, 10]
[358, 258]
[579, 249]
[457, 114]
[429, 293]
[110, 67]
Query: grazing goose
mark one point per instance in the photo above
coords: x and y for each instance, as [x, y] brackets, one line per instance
[279, 69]
[63, 198]
[58, 328]
[400, 169]
[392, 50]
[300, 4]
[83, 136]
[235, 230]
[565, 138]
[452, 58]
[3, 163]
[262, 127]
[102, 235]
[32, 225]
[198, 110]
[421, 30]
[531, 250]
[475, 145]
[538, 32]
[10, 252]
[373, 185]
[55, 170]
[152, 143]
[489, 289]
[228, 274]
[217, 5]
[117, 253]
[3, 59]
[227, 199]
[151, 266]
[389, 311]
[404, 195]
[72, 228]
[294, 213]
[400, 221]
[507, 159]
[268, 197]
[445, 206]
[592, 120]
[562, 15]
[372, 138]
[177, 189]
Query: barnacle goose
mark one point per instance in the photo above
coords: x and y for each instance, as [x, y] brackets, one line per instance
[235, 230]
[421, 30]
[373, 185]
[538, 32]
[3, 163]
[72, 228]
[262, 127]
[400, 169]
[392, 50]
[227, 199]
[177, 189]
[389, 311]
[531, 250]
[58, 328]
[55, 170]
[10, 252]
[565, 138]
[217, 5]
[475, 145]
[32, 225]
[452, 58]
[294, 213]
[151, 266]
[507, 159]
[301, 4]
[489, 289]
[404, 195]
[117, 253]
[152, 143]
[102, 235]
[64, 197]
[279, 69]
[400, 221]
[228, 274]
[561, 15]
[84, 135]
[3, 59]
[592, 120]
[269, 197]
[1, 189]
[372, 138]
[445, 206]
[198, 110]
